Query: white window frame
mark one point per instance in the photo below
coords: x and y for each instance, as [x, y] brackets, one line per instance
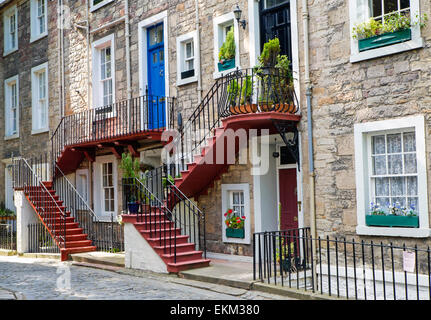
[99, 204]
[359, 12]
[99, 5]
[362, 133]
[35, 33]
[181, 42]
[7, 49]
[96, 78]
[7, 95]
[226, 189]
[219, 26]
[36, 115]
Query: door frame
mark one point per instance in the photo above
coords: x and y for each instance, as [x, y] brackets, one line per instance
[161, 17]
[254, 36]
[298, 185]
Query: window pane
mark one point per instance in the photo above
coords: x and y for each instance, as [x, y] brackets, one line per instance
[378, 144]
[189, 49]
[395, 164]
[399, 201]
[398, 187]
[413, 203]
[404, 4]
[394, 143]
[410, 165]
[382, 202]
[412, 186]
[391, 5]
[382, 187]
[376, 8]
[273, 3]
[379, 165]
[409, 142]
[235, 198]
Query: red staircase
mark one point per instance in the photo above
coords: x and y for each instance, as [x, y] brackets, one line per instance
[63, 228]
[167, 241]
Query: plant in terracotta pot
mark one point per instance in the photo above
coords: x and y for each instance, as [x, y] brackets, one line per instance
[234, 224]
[226, 55]
[242, 92]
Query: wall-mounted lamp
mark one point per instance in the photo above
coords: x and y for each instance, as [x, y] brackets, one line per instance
[237, 12]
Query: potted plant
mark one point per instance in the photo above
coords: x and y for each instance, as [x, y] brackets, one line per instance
[5, 213]
[226, 55]
[392, 216]
[276, 78]
[234, 224]
[286, 256]
[396, 28]
[131, 169]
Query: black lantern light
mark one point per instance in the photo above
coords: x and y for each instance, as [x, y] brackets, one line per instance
[238, 12]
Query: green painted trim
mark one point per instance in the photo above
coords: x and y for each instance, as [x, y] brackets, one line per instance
[235, 233]
[392, 221]
[385, 39]
[227, 65]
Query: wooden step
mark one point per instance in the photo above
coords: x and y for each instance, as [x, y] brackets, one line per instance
[78, 243]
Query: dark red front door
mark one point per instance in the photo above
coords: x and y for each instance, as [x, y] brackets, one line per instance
[288, 199]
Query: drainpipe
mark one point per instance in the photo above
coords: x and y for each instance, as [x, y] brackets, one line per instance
[198, 56]
[308, 93]
[60, 109]
[88, 53]
[127, 32]
[62, 62]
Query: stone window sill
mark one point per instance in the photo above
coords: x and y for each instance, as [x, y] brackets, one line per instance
[394, 232]
[388, 50]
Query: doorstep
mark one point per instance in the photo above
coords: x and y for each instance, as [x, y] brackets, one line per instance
[100, 258]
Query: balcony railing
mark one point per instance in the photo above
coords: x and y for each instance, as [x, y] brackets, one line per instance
[246, 91]
[142, 114]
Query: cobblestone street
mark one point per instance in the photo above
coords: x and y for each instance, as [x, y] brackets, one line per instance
[44, 279]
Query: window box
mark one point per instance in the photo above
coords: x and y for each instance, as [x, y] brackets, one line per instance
[235, 233]
[385, 39]
[392, 221]
[227, 65]
[187, 74]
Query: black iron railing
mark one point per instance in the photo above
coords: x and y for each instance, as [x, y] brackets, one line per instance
[109, 235]
[32, 177]
[246, 91]
[40, 240]
[168, 215]
[128, 117]
[343, 268]
[7, 233]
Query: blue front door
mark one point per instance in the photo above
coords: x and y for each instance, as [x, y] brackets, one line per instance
[156, 78]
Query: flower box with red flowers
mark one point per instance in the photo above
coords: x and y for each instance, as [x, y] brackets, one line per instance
[234, 224]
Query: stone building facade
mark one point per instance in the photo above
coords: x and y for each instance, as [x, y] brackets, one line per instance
[355, 96]
[19, 68]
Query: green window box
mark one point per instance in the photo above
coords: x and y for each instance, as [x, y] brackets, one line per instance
[235, 233]
[392, 221]
[227, 65]
[385, 39]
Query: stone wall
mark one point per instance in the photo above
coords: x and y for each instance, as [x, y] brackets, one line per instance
[346, 93]
[211, 205]
[20, 63]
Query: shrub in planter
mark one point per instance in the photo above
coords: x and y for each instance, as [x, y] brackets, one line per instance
[227, 53]
[395, 29]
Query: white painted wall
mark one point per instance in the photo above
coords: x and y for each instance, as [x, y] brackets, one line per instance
[139, 254]
[25, 215]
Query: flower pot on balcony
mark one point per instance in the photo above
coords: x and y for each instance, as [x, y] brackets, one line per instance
[266, 107]
[226, 65]
[392, 221]
[235, 233]
[242, 109]
[285, 107]
[133, 207]
[385, 39]
[5, 218]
